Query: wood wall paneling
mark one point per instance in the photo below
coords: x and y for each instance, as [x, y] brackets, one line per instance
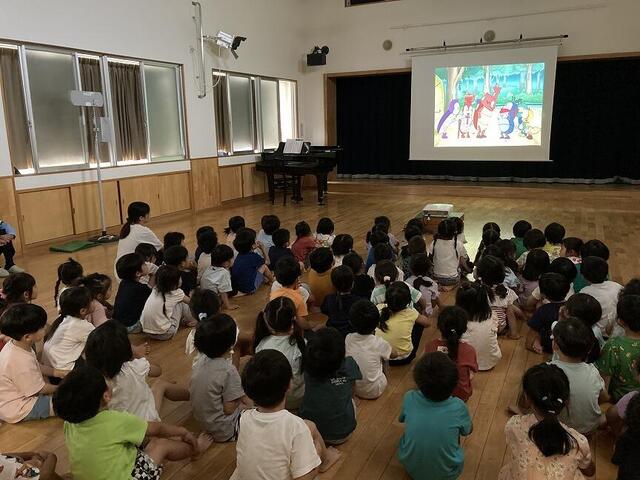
[175, 193]
[230, 182]
[205, 183]
[140, 189]
[9, 208]
[253, 182]
[86, 206]
[46, 214]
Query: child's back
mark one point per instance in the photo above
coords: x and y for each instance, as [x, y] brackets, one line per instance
[63, 348]
[321, 260]
[337, 305]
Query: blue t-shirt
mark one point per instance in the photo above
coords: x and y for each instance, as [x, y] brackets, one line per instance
[430, 447]
[370, 260]
[244, 271]
[542, 320]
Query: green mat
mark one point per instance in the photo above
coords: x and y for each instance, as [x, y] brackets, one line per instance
[73, 246]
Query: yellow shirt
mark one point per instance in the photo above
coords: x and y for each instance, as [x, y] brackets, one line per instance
[552, 250]
[399, 328]
[321, 285]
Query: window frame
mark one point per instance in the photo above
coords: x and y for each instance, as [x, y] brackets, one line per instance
[103, 59]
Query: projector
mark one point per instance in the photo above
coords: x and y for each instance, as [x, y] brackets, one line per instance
[317, 57]
[437, 210]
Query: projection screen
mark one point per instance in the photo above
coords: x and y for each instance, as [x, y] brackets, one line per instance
[483, 105]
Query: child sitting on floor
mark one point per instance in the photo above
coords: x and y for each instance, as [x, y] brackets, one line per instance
[433, 421]
[553, 288]
[305, 243]
[595, 271]
[276, 329]
[370, 352]
[324, 232]
[109, 350]
[420, 280]
[586, 309]
[132, 295]
[415, 245]
[172, 239]
[178, 256]
[539, 445]
[564, 267]
[572, 342]
[69, 274]
[382, 252]
[201, 234]
[341, 246]
[321, 262]
[625, 455]
[452, 323]
[24, 394]
[149, 268]
[105, 444]
[216, 390]
[554, 234]
[591, 248]
[386, 274]
[249, 271]
[336, 306]
[100, 287]
[448, 254]
[280, 246]
[520, 229]
[217, 277]
[207, 242]
[536, 264]
[502, 298]
[235, 225]
[296, 449]
[362, 283]
[571, 247]
[167, 307]
[288, 278]
[329, 379]
[490, 236]
[377, 237]
[269, 224]
[534, 239]
[383, 223]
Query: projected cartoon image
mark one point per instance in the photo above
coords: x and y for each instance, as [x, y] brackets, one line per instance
[489, 105]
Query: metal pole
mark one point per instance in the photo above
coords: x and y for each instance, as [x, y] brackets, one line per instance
[445, 47]
[96, 148]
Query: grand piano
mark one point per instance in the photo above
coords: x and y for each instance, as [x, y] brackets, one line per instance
[312, 160]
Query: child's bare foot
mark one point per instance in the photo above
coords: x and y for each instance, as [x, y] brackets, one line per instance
[202, 443]
[240, 294]
[514, 410]
[142, 350]
[331, 456]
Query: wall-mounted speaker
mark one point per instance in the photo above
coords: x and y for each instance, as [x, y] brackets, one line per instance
[387, 45]
[489, 36]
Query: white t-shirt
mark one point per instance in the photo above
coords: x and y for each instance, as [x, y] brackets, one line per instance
[138, 234]
[446, 257]
[372, 273]
[204, 262]
[323, 239]
[151, 269]
[153, 320]
[130, 392]
[369, 351]
[499, 307]
[607, 295]
[483, 337]
[67, 344]
[217, 279]
[284, 345]
[273, 446]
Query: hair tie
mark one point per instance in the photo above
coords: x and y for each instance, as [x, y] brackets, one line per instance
[453, 330]
[386, 279]
[202, 316]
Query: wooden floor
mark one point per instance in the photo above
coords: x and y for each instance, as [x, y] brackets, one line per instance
[607, 213]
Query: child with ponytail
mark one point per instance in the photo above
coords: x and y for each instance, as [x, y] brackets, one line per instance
[135, 232]
[167, 307]
[420, 279]
[452, 323]
[276, 329]
[69, 275]
[386, 273]
[539, 445]
[400, 324]
[491, 273]
[100, 287]
[482, 329]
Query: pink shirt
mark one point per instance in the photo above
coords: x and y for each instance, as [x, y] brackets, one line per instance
[98, 314]
[20, 382]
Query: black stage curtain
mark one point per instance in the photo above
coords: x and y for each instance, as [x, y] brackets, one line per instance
[593, 137]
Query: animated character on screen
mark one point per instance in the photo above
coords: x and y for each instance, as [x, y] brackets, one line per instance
[507, 119]
[466, 119]
[525, 122]
[483, 114]
[449, 117]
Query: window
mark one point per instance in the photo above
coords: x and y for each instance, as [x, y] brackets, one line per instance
[142, 103]
[253, 113]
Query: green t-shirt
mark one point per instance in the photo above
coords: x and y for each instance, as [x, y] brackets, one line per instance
[105, 446]
[619, 359]
[520, 248]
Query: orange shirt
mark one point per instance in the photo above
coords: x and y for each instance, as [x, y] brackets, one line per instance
[321, 285]
[296, 298]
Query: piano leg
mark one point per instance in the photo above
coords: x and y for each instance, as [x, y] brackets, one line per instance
[321, 181]
[272, 190]
[297, 189]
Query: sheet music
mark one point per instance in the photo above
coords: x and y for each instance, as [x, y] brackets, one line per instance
[293, 146]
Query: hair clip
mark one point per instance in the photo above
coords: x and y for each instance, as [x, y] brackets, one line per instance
[387, 279]
[453, 330]
[202, 316]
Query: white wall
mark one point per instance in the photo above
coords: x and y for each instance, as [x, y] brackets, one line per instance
[355, 34]
[162, 30]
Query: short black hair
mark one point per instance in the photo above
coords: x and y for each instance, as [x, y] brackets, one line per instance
[281, 237]
[382, 251]
[325, 226]
[594, 269]
[270, 223]
[412, 231]
[222, 253]
[204, 303]
[416, 245]
[491, 270]
[266, 378]
[420, 265]
[342, 278]
[377, 237]
[287, 271]
[207, 240]
[173, 238]
[342, 244]
[573, 243]
[354, 262]
[79, 395]
[632, 287]
[325, 353]
[536, 264]
[534, 238]
[564, 267]
[303, 229]
[321, 259]
[585, 307]
[364, 316]
[216, 336]
[146, 250]
[22, 319]
[629, 311]
[520, 228]
[202, 229]
[244, 241]
[16, 285]
[175, 255]
[595, 248]
[436, 376]
[554, 233]
[235, 224]
[108, 348]
[574, 338]
[129, 265]
[554, 286]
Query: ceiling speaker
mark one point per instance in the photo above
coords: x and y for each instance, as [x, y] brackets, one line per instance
[489, 36]
[387, 45]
